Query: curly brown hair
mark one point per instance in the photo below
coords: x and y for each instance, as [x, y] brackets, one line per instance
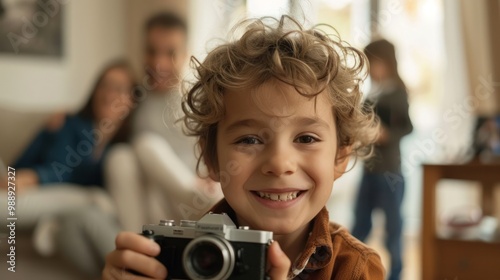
[310, 60]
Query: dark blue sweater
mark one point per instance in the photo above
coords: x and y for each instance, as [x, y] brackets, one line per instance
[66, 155]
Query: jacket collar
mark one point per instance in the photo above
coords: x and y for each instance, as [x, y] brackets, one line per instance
[317, 253]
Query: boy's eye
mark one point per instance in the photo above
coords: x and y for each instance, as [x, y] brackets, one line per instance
[306, 139]
[249, 141]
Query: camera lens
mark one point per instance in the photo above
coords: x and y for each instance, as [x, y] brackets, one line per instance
[208, 257]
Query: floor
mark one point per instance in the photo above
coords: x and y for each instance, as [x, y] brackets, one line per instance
[411, 259]
[29, 265]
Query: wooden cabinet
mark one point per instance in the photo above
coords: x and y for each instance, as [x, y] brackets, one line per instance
[454, 259]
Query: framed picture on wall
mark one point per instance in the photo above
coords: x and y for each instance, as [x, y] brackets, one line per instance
[31, 27]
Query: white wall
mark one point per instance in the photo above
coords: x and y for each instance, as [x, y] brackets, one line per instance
[204, 23]
[93, 33]
[210, 22]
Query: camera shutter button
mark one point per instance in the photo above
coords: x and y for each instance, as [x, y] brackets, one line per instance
[167, 223]
[244, 227]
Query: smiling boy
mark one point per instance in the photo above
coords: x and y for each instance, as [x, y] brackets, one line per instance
[277, 114]
[283, 178]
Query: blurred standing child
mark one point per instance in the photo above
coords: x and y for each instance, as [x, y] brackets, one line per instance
[382, 185]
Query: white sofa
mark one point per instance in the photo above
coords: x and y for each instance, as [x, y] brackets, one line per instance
[17, 129]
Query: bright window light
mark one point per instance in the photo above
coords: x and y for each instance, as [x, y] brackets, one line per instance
[274, 8]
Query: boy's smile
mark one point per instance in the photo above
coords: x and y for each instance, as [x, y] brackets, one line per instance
[276, 153]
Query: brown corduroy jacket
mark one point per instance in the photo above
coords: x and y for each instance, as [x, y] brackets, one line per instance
[331, 252]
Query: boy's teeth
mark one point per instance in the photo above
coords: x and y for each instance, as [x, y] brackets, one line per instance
[280, 196]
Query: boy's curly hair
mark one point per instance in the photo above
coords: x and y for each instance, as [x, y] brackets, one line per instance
[310, 60]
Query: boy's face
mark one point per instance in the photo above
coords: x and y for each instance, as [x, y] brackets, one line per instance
[276, 153]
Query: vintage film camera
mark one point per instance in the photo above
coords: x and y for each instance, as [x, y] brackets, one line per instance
[211, 248]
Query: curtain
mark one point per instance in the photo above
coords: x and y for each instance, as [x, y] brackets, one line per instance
[480, 24]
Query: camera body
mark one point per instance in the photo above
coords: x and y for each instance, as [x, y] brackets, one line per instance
[211, 248]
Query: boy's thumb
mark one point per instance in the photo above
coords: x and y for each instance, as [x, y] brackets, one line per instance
[278, 262]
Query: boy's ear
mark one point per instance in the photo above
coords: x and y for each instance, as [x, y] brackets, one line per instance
[212, 171]
[213, 174]
[341, 161]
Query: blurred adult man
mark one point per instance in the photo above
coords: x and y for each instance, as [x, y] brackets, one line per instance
[165, 54]
[159, 166]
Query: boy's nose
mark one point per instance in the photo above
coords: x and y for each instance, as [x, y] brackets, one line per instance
[279, 162]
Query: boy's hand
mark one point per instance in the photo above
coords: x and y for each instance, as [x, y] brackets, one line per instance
[133, 252]
[278, 262]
